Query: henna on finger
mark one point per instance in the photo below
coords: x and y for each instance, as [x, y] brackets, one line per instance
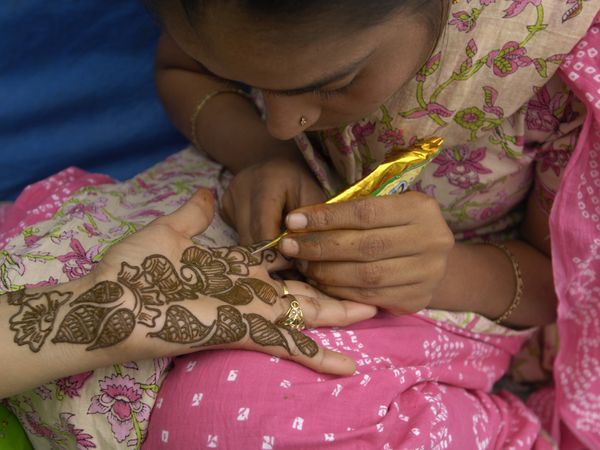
[101, 317]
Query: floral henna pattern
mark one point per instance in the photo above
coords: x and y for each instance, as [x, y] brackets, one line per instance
[181, 326]
[36, 316]
[100, 317]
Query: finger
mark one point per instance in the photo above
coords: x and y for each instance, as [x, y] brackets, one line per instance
[227, 210]
[407, 299]
[359, 245]
[372, 274]
[267, 215]
[241, 218]
[272, 260]
[321, 310]
[194, 216]
[364, 213]
[303, 350]
[325, 361]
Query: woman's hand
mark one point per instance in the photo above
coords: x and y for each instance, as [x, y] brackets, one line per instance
[156, 294]
[260, 195]
[386, 251]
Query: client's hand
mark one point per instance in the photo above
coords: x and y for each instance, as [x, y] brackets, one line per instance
[156, 294]
[165, 295]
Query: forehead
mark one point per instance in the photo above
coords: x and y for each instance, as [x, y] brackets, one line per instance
[267, 54]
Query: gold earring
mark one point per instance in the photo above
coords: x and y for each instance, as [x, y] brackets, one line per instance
[303, 121]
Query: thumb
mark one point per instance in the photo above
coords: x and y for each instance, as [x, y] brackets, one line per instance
[194, 216]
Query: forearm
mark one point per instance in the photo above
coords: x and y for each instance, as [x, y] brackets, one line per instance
[480, 278]
[29, 333]
[228, 128]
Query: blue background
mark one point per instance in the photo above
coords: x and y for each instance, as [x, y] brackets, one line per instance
[77, 88]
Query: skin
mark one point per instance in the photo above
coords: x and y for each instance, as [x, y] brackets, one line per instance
[144, 300]
[395, 252]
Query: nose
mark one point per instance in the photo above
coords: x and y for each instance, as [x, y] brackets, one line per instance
[288, 116]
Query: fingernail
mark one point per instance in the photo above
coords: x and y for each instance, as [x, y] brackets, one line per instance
[296, 221]
[289, 247]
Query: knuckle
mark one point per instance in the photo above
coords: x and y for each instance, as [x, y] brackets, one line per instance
[322, 218]
[372, 247]
[312, 248]
[369, 274]
[365, 211]
[315, 308]
[367, 295]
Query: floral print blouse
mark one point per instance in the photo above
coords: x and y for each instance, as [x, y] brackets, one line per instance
[489, 89]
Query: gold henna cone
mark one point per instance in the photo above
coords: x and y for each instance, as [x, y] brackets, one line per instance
[394, 176]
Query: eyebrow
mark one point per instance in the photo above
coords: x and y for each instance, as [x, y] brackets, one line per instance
[312, 86]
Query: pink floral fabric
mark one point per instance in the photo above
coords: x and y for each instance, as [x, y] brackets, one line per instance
[41, 200]
[58, 231]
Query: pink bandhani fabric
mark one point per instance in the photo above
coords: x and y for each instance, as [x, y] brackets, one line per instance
[420, 384]
[575, 227]
[39, 201]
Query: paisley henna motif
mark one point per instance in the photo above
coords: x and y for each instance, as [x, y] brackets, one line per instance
[101, 317]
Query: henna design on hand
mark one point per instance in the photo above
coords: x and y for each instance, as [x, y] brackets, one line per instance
[36, 316]
[100, 317]
[305, 344]
[96, 318]
[265, 333]
[181, 327]
[229, 327]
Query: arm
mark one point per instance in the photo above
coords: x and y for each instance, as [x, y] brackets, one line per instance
[480, 278]
[182, 86]
[157, 294]
[28, 321]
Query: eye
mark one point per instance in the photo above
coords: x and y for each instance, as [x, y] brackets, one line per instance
[329, 94]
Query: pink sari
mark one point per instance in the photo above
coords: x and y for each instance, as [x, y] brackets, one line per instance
[575, 227]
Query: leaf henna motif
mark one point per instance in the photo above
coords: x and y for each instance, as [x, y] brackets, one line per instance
[305, 344]
[34, 320]
[182, 327]
[263, 290]
[229, 327]
[81, 324]
[265, 333]
[237, 295]
[102, 293]
[117, 328]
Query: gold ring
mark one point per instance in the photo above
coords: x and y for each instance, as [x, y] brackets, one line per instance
[285, 289]
[293, 319]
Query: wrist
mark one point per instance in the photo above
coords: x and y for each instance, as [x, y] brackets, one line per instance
[479, 279]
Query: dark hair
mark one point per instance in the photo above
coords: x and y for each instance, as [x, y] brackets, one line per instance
[353, 14]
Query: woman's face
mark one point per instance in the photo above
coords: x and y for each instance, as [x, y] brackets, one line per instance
[332, 80]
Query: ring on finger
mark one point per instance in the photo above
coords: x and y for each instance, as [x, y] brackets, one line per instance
[293, 319]
[285, 289]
